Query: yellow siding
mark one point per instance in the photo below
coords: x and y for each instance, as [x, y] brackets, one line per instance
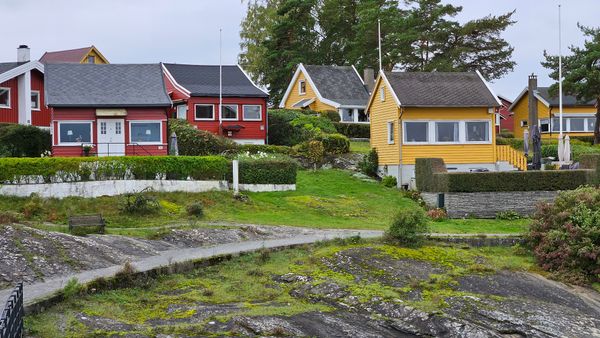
[381, 113]
[310, 93]
[98, 58]
[455, 153]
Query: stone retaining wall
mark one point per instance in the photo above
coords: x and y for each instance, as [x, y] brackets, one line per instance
[488, 204]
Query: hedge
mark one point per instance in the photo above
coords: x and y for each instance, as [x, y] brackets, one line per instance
[23, 141]
[264, 148]
[577, 151]
[431, 177]
[268, 171]
[335, 143]
[592, 161]
[195, 142]
[354, 130]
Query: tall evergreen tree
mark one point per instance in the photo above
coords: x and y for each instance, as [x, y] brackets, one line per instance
[581, 72]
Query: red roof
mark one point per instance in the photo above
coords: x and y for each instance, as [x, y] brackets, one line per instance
[65, 56]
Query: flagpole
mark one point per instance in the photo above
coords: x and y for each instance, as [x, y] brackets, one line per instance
[220, 78]
[379, 42]
[560, 78]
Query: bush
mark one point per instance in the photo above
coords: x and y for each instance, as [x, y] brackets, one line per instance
[370, 163]
[415, 196]
[140, 203]
[409, 227]
[279, 127]
[315, 152]
[592, 162]
[195, 142]
[577, 151]
[9, 217]
[291, 127]
[23, 141]
[508, 215]
[424, 170]
[264, 148]
[565, 235]
[389, 181]
[437, 214]
[271, 170]
[354, 130]
[35, 206]
[506, 134]
[331, 115]
[335, 144]
[195, 209]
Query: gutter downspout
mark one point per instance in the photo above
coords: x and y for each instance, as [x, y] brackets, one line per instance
[400, 139]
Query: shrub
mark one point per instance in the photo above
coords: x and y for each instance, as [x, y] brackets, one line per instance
[335, 144]
[592, 162]
[279, 127]
[140, 203]
[9, 217]
[425, 168]
[331, 115]
[271, 170]
[354, 130]
[195, 142]
[508, 215]
[577, 151]
[370, 163]
[23, 141]
[34, 206]
[291, 127]
[565, 235]
[415, 196]
[195, 209]
[409, 227]
[437, 214]
[506, 134]
[264, 148]
[315, 152]
[389, 181]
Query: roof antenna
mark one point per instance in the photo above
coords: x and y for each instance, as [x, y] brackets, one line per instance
[379, 42]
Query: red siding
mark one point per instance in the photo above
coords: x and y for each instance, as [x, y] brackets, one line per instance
[173, 91]
[11, 115]
[40, 118]
[506, 123]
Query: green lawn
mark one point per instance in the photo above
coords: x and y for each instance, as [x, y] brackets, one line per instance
[361, 147]
[323, 199]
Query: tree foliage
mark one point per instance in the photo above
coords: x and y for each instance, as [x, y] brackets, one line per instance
[417, 35]
[581, 72]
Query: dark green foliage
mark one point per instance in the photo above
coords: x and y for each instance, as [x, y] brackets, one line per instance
[83, 230]
[389, 181]
[424, 170]
[370, 163]
[332, 115]
[279, 127]
[577, 150]
[565, 235]
[195, 142]
[140, 204]
[264, 148]
[281, 170]
[354, 130]
[335, 144]
[23, 141]
[508, 215]
[409, 227]
[592, 161]
[195, 209]
[506, 134]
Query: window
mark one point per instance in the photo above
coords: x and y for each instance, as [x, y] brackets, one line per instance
[102, 128]
[91, 59]
[390, 131]
[545, 125]
[347, 115]
[204, 112]
[591, 123]
[415, 132]
[524, 123]
[4, 97]
[74, 132]
[477, 131]
[577, 124]
[252, 112]
[362, 116]
[446, 131]
[230, 112]
[118, 128]
[35, 100]
[382, 94]
[182, 112]
[145, 132]
[302, 87]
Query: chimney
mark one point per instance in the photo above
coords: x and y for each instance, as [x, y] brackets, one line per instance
[369, 79]
[23, 54]
[533, 111]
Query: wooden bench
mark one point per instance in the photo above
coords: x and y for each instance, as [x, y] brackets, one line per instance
[82, 225]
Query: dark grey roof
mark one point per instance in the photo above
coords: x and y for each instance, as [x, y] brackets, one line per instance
[568, 100]
[441, 89]
[202, 80]
[112, 85]
[6, 66]
[340, 84]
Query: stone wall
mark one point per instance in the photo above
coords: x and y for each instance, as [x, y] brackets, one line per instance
[488, 204]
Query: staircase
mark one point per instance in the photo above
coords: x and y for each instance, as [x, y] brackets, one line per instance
[516, 158]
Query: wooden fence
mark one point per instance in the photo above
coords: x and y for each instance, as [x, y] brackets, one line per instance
[508, 154]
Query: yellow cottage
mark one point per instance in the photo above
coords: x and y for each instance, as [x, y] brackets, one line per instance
[579, 118]
[443, 115]
[80, 55]
[329, 88]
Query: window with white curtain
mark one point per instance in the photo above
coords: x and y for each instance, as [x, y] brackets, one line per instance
[446, 131]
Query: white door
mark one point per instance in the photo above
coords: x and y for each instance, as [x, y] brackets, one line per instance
[111, 137]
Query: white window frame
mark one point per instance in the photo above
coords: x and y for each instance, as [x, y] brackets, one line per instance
[9, 98]
[382, 94]
[260, 113]
[160, 122]
[416, 121]
[204, 105]
[354, 111]
[73, 144]
[567, 122]
[39, 100]
[300, 91]
[462, 135]
[462, 132]
[391, 132]
[184, 112]
[237, 112]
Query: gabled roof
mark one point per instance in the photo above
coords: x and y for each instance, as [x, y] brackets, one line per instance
[69, 56]
[441, 89]
[543, 94]
[337, 86]
[203, 80]
[9, 70]
[114, 85]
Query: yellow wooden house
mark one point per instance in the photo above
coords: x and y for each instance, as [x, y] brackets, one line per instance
[89, 54]
[442, 115]
[578, 117]
[329, 88]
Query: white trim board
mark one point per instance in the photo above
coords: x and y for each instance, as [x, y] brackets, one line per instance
[26, 67]
[312, 84]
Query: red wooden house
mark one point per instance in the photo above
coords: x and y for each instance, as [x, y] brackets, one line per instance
[110, 109]
[22, 91]
[504, 120]
[195, 91]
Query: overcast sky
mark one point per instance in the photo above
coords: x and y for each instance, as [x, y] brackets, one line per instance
[187, 31]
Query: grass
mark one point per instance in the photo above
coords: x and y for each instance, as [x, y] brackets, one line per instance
[323, 199]
[361, 147]
[247, 286]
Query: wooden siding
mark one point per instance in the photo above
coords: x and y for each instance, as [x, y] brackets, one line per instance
[310, 93]
[98, 59]
[41, 117]
[381, 113]
[11, 115]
